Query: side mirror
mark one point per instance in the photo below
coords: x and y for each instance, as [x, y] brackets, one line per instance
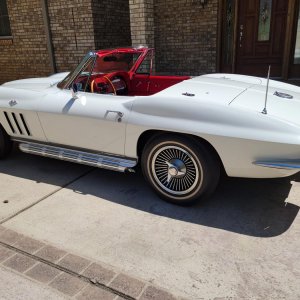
[74, 91]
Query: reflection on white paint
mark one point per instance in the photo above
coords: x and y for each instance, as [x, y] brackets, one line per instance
[83, 100]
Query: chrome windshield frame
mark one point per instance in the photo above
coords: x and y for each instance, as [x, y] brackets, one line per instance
[67, 81]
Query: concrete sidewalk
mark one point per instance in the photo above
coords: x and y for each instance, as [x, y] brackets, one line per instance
[243, 243]
[72, 275]
[14, 286]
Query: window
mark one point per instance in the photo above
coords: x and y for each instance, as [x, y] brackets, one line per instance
[264, 27]
[146, 66]
[297, 49]
[228, 36]
[4, 20]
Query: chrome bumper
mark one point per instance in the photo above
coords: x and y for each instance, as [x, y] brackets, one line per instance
[282, 164]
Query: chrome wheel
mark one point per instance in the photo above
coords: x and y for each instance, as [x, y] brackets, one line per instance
[180, 169]
[175, 170]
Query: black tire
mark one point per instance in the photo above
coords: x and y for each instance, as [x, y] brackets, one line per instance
[5, 143]
[181, 170]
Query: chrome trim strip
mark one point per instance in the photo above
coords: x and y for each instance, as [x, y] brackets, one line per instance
[284, 164]
[96, 160]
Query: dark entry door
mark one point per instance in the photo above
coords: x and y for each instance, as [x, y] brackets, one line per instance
[261, 36]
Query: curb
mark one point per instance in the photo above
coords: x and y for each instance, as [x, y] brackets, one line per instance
[72, 275]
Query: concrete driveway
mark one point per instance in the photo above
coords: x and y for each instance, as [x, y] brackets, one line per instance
[242, 243]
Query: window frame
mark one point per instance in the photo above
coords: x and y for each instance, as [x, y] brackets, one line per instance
[3, 16]
[294, 69]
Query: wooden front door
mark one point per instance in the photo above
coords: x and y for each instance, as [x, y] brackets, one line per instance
[260, 38]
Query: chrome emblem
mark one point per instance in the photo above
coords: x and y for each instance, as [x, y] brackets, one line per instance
[13, 102]
[283, 95]
[188, 94]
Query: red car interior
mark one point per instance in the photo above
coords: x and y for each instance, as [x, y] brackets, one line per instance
[121, 72]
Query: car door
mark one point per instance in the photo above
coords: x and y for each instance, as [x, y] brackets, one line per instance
[92, 121]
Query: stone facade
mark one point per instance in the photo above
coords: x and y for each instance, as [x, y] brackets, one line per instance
[27, 56]
[72, 31]
[184, 34]
[76, 27]
[142, 22]
[111, 23]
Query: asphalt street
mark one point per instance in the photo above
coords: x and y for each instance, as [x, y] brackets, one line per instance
[242, 243]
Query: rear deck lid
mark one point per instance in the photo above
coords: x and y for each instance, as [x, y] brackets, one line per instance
[283, 100]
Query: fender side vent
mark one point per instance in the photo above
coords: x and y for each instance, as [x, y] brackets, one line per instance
[17, 123]
[9, 122]
[25, 125]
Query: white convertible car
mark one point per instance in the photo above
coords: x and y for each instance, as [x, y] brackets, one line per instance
[112, 112]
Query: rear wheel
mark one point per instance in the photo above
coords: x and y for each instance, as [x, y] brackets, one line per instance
[5, 143]
[180, 170]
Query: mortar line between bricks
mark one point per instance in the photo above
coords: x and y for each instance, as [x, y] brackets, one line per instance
[47, 196]
[74, 274]
[143, 290]
[82, 288]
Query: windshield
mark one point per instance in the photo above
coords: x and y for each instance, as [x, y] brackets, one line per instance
[71, 76]
[115, 62]
[112, 62]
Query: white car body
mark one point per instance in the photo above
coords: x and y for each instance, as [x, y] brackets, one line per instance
[224, 110]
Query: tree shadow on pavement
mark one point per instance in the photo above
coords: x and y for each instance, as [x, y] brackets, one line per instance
[246, 206]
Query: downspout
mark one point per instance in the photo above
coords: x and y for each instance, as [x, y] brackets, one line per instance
[48, 35]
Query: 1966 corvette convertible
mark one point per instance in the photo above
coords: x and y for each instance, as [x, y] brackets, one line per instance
[112, 112]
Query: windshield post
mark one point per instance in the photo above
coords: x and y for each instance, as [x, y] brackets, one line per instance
[66, 82]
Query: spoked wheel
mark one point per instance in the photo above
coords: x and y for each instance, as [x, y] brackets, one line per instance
[5, 143]
[179, 170]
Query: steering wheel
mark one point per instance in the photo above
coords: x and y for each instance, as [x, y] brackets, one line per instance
[115, 82]
[111, 84]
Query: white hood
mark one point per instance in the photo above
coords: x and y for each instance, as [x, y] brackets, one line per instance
[36, 84]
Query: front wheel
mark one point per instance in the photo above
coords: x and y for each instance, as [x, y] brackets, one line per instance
[5, 143]
[180, 170]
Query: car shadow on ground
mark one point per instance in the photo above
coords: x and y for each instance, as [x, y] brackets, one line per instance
[251, 207]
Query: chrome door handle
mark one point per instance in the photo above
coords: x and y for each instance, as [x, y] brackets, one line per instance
[119, 114]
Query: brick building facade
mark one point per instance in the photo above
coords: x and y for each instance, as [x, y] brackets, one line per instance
[53, 36]
[190, 36]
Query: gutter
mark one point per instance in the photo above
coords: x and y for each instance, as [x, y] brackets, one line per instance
[48, 35]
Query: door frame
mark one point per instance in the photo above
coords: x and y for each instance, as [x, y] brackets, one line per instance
[289, 37]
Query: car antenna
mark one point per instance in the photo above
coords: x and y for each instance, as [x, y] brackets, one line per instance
[265, 112]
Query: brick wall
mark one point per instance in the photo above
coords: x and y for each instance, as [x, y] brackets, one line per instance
[72, 31]
[186, 36]
[27, 56]
[183, 33]
[76, 28]
[111, 23]
[142, 22]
